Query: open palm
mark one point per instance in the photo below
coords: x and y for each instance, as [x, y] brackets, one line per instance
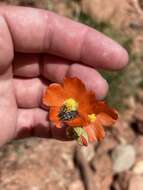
[38, 47]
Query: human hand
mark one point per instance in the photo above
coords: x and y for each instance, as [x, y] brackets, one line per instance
[38, 46]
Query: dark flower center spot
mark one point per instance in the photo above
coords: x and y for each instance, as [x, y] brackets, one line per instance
[66, 115]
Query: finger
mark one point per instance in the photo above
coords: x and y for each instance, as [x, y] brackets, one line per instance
[6, 46]
[26, 65]
[29, 92]
[34, 122]
[90, 77]
[56, 69]
[62, 37]
[32, 65]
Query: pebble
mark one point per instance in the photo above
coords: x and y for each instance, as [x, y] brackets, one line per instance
[138, 168]
[136, 183]
[123, 157]
[76, 185]
[98, 165]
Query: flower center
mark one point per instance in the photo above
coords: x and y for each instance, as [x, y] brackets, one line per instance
[69, 110]
[92, 117]
[71, 104]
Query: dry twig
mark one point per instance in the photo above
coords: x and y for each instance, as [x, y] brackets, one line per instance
[84, 168]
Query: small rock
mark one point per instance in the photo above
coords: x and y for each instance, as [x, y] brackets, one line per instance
[107, 145]
[102, 183]
[97, 181]
[51, 186]
[123, 158]
[121, 181]
[128, 115]
[136, 182]
[124, 131]
[98, 164]
[67, 158]
[76, 185]
[114, 12]
[138, 168]
[130, 102]
[106, 182]
[95, 9]
[35, 188]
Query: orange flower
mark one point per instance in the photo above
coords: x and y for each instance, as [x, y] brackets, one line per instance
[100, 115]
[65, 101]
[72, 105]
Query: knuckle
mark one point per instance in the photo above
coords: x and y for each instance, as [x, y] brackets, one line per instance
[6, 45]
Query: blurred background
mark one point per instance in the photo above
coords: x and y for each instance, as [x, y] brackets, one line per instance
[117, 162]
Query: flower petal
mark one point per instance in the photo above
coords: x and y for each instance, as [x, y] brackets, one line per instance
[86, 104]
[53, 116]
[78, 121]
[102, 107]
[106, 120]
[91, 133]
[54, 95]
[74, 87]
[99, 130]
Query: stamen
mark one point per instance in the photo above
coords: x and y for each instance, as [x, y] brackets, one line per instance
[71, 104]
[92, 117]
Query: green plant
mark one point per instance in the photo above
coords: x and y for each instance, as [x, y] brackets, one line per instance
[123, 83]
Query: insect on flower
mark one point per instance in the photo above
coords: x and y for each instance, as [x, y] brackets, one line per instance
[71, 105]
